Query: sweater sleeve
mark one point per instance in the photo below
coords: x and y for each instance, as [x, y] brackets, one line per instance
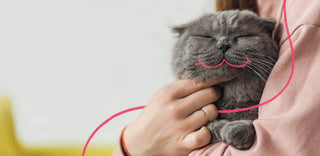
[289, 125]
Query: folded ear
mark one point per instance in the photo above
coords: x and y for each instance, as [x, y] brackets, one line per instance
[180, 29]
[268, 25]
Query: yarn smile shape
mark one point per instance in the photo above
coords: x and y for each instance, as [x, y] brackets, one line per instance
[223, 61]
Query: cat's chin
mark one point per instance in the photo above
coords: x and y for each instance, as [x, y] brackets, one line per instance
[222, 84]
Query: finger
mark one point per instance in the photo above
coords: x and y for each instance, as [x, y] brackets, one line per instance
[199, 99]
[202, 117]
[197, 138]
[186, 87]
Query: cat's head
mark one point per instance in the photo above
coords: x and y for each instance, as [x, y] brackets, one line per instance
[230, 35]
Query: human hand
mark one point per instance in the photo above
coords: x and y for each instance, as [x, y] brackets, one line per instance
[173, 121]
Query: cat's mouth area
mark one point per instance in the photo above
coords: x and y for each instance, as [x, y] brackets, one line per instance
[223, 61]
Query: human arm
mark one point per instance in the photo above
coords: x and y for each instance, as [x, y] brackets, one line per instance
[173, 121]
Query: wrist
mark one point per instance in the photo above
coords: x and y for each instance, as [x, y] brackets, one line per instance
[123, 144]
[133, 141]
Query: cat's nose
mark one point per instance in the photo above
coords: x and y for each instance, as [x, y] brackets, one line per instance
[224, 48]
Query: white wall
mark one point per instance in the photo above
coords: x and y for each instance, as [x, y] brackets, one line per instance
[67, 65]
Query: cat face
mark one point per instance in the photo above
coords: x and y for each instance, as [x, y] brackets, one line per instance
[232, 36]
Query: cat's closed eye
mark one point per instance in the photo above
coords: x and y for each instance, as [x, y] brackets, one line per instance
[244, 36]
[205, 37]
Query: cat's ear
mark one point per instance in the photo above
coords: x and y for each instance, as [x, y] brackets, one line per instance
[268, 25]
[180, 29]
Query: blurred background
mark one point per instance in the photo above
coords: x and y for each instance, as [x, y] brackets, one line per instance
[68, 65]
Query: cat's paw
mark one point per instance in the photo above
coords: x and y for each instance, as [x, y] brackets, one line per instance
[215, 128]
[240, 134]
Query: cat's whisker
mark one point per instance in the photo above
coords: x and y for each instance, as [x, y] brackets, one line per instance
[253, 53]
[261, 70]
[261, 61]
[264, 69]
[265, 56]
[257, 73]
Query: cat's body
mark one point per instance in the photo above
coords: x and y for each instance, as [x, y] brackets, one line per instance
[233, 36]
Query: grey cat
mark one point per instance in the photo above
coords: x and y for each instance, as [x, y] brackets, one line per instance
[244, 40]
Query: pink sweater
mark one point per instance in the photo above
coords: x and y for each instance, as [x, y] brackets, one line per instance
[290, 124]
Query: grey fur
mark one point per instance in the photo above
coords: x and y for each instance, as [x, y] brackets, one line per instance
[239, 34]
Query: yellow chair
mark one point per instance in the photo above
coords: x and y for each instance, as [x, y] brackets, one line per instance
[10, 146]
